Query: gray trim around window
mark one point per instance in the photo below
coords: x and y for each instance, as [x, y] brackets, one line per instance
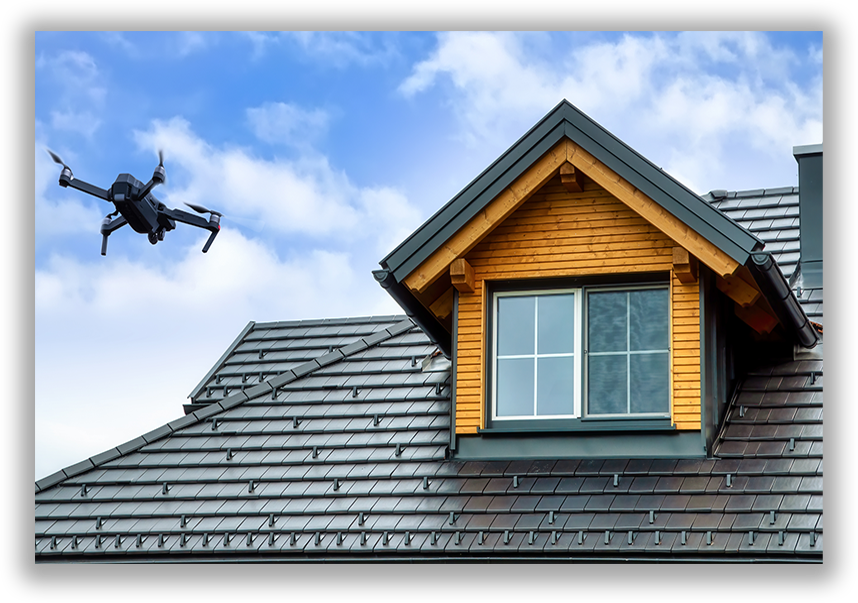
[580, 420]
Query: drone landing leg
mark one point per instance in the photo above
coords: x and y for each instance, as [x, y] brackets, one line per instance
[107, 227]
[210, 240]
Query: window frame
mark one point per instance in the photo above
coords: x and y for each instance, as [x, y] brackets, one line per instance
[581, 420]
[576, 353]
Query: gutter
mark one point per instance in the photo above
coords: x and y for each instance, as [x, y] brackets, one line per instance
[778, 293]
[415, 310]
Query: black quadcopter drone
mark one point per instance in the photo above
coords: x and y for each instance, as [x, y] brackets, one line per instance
[135, 205]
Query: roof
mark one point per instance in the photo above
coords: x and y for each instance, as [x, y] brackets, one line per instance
[342, 455]
[770, 214]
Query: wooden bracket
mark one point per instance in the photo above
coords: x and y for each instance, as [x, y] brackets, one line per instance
[738, 290]
[462, 275]
[443, 306]
[684, 265]
[569, 178]
[757, 318]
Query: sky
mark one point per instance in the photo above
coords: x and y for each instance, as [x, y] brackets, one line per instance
[324, 151]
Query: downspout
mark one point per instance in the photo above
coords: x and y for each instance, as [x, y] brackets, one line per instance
[775, 288]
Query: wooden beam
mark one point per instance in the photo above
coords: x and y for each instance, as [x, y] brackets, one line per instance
[462, 275]
[738, 290]
[756, 318]
[654, 213]
[569, 178]
[443, 306]
[684, 265]
[509, 199]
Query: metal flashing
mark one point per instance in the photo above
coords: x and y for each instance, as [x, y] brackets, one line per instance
[193, 395]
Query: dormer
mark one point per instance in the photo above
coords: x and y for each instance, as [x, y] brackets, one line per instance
[587, 301]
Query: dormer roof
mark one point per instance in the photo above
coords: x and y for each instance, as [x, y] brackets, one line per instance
[568, 141]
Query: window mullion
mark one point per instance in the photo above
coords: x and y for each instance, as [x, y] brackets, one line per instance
[628, 353]
[535, 350]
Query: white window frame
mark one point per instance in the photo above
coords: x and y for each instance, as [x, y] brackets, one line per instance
[576, 353]
[581, 357]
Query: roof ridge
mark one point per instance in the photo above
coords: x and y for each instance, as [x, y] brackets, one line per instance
[225, 404]
[751, 192]
[345, 320]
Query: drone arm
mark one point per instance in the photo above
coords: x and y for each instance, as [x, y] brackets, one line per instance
[147, 189]
[188, 218]
[85, 187]
[213, 226]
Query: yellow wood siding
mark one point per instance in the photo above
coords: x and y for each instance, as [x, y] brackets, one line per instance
[558, 233]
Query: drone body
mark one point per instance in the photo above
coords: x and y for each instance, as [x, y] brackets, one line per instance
[139, 208]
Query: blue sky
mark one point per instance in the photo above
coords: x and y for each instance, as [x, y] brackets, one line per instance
[324, 151]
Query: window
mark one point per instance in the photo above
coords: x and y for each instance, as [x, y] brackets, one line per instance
[598, 352]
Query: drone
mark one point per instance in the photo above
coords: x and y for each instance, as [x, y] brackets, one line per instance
[137, 206]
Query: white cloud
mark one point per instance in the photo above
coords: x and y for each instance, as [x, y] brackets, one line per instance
[343, 48]
[83, 123]
[188, 42]
[337, 49]
[686, 98]
[77, 74]
[307, 196]
[288, 124]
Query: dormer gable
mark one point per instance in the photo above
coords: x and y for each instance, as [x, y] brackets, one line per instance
[571, 231]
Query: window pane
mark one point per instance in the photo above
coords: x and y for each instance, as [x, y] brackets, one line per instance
[514, 387]
[648, 316]
[606, 384]
[606, 319]
[555, 394]
[650, 379]
[556, 324]
[515, 325]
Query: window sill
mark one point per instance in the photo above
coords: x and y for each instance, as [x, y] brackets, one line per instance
[582, 425]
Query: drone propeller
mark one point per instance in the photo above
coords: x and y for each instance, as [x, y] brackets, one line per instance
[202, 210]
[161, 157]
[56, 158]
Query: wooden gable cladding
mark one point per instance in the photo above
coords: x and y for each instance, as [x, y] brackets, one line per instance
[558, 233]
[557, 161]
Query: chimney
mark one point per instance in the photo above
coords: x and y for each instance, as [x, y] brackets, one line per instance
[809, 158]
